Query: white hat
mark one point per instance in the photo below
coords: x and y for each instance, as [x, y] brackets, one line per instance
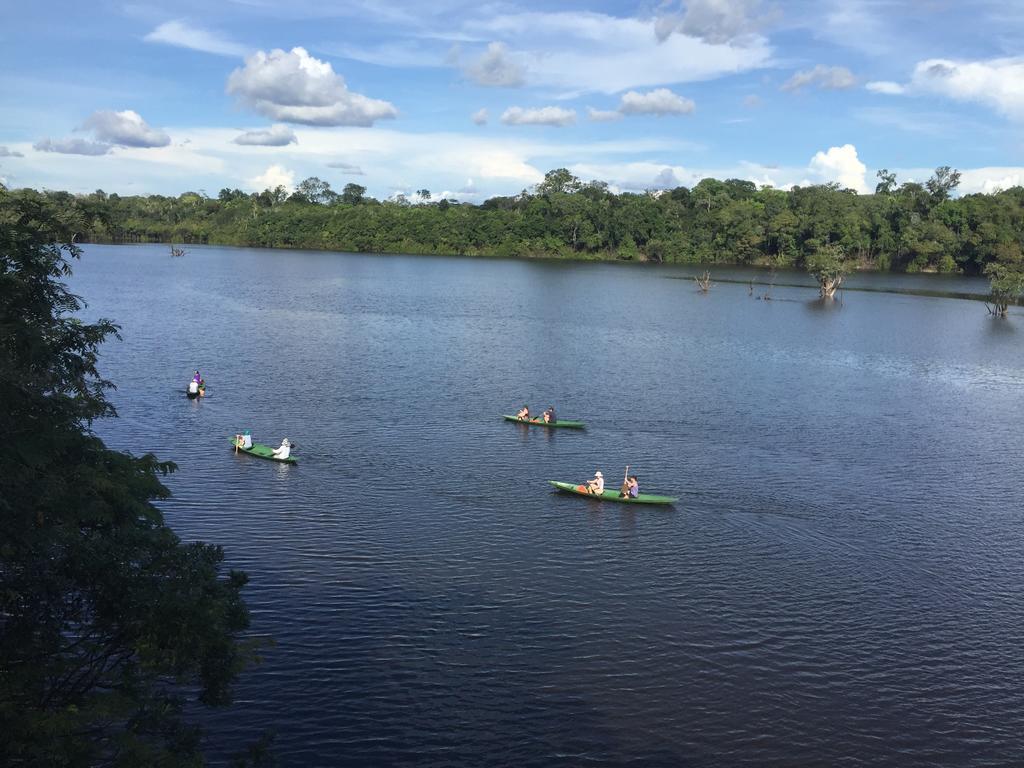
[285, 441]
[598, 474]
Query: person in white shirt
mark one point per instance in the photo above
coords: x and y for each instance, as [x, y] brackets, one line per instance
[283, 450]
[193, 387]
[596, 485]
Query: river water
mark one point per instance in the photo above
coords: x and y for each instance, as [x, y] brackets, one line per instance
[840, 583]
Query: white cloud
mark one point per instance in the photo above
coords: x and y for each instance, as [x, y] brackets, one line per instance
[275, 176]
[713, 21]
[496, 68]
[183, 36]
[989, 180]
[996, 83]
[348, 168]
[867, 26]
[5, 152]
[294, 87]
[998, 185]
[582, 52]
[886, 87]
[499, 163]
[124, 129]
[842, 165]
[603, 115]
[828, 78]
[660, 102]
[479, 117]
[557, 116]
[72, 147]
[635, 175]
[665, 180]
[275, 136]
[928, 123]
[752, 101]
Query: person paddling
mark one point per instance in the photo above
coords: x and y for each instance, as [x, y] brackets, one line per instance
[283, 450]
[243, 440]
[523, 414]
[549, 415]
[630, 488]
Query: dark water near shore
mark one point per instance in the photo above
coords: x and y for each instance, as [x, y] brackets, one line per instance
[841, 583]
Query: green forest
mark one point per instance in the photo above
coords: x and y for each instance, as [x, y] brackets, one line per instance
[113, 631]
[901, 227]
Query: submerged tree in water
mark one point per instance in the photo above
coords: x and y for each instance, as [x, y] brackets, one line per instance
[108, 622]
[829, 265]
[1006, 278]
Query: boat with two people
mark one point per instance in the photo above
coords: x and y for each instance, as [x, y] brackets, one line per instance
[547, 419]
[628, 493]
[283, 453]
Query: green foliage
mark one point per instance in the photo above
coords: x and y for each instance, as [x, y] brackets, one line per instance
[1006, 278]
[559, 182]
[886, 182]
[942, 183]
[107, 620]
[902, 227]
[315, 190]
[827, 262]
[352, 194]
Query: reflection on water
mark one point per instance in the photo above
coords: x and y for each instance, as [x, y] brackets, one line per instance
[839, 584]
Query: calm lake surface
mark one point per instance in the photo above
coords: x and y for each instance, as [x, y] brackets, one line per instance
[840, 584]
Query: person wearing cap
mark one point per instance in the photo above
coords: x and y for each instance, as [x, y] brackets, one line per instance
[549, 415]
[523, 413]
[283, 450]
[596, 485]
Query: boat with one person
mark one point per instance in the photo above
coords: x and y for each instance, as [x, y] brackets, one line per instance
[196, 387]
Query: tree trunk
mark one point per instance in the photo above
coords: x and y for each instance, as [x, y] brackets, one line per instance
[829, 285]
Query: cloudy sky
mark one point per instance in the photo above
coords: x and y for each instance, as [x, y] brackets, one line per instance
[475, 99]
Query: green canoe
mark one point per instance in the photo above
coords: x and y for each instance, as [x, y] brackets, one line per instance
[264, 452]
[539, 422]
[643, 498]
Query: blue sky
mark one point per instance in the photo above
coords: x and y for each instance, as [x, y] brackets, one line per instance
[475, 99]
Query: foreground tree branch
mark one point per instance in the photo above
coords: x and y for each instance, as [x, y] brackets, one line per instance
[107, 620]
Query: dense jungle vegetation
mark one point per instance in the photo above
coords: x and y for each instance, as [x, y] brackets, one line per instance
[907, 227]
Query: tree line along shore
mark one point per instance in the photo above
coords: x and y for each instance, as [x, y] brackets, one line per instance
[901, 227]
